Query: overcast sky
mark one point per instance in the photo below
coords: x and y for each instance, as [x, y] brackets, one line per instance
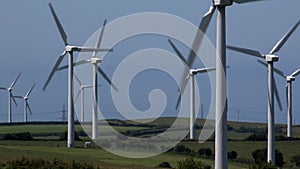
[30, 44]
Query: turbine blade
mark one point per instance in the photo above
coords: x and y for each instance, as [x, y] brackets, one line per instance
[297, 72]
[28, 93]
[205, 70]
[200, 34]
[279, 72]
[59, 26]
[178, 52]
[283, 40]
[277, 95]
[13, 98]
[245, 1]
[14, 82]
[182, 89]
[85, 49]
[19, 97]
[107, 78]
[100, 38]
[77, 79]
[61, 57]
[27, 105]
[3, 88]
[77, 96]
[74, 64]
[246, 51]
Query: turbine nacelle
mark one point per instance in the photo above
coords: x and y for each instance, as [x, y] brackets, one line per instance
[95, 60]
[9, 89]
[271, 58]
[25, 98]
[193, 71]
[70, 48]
[222, 2]
[290, 78]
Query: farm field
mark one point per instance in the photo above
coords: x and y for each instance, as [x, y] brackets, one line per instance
[48, 146]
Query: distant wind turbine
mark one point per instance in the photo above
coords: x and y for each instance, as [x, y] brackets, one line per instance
[26, 105]
[68, 49]
[95, 61]
[270, 58]
[11, 97]
[289, 79]
[191, 75]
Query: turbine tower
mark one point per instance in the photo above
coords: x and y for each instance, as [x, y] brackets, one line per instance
[270, 58]
[289, 79]
[95, 61]
[11, 97]
[221, 82]
[68, 49]
[26, 105]
[191, 75]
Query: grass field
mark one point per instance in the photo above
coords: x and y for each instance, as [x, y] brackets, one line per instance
[50, 150]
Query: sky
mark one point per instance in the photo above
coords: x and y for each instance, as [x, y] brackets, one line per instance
[30, 44]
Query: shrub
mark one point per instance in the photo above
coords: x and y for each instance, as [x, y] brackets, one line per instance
[165, 165]
[232, 155]
[260, 157]
[190, 163]
[296, 160]
[205, 152]
[256, 137]
[25, 163]
[25, 136]
[262, 166]
[64, 136]
[181, 149]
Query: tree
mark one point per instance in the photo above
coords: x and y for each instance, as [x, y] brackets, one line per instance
[190, 163]
[260, 157]
[232, 155]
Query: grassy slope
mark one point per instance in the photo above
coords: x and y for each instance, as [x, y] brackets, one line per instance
[55, 149]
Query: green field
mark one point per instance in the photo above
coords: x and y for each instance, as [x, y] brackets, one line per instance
[48, 147]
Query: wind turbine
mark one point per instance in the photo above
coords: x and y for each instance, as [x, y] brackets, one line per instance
[270, 58]
[81, 91]
[68, 49]
[191, 75]
[26, 105]
[221, 81]
[289, 79]
[95, 61]
[11, 97]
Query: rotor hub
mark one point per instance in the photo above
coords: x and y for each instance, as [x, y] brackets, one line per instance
[193, 72]
[9, 89]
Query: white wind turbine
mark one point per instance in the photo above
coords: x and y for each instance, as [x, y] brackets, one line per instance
[221, 81]
[289, 79]
[81, 91]
[270, 58]
[26, 105]
[11, 97]
[68, 49]
[95, 61]
[191, 74]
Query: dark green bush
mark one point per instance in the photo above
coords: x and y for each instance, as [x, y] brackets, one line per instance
[260, 157]
[25, 136]
[205, 152]
[296, 160]
[262, 166]
[64, 136]
[232, 155]
[165, 165]
[190, 163]
[25, 163]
